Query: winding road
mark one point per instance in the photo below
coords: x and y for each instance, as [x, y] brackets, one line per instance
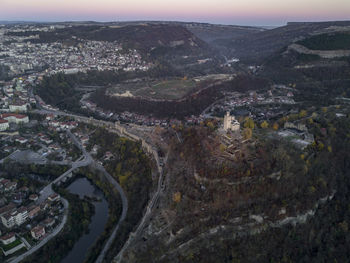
[47, 238]
[88, 160]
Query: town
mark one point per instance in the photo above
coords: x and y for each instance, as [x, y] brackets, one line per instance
[22, 55]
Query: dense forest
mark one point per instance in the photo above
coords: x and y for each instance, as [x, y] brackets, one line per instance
[325, 236]
[306, 176]
[336, 41]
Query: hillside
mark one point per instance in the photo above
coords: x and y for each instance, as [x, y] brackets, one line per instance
[166, 44]
[265, 204]
[257, 47]
[319, 75]
[335, 41]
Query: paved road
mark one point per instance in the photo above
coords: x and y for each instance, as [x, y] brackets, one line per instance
[47, 238]
[85, 160]
[89, 160]
[122, 217]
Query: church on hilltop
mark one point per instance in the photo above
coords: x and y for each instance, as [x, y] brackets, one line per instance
[230, 123]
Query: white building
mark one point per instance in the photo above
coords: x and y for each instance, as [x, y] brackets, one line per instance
[230, 123]
[8, 219]
[8, 239]
[16, 217]
[37, 232]
[15, 118]
[4, 125]
[20, 106]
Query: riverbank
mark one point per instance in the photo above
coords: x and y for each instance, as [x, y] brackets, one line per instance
[78, 220]
[84, 187]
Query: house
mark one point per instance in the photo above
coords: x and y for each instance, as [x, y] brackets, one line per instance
[45, 205]
[22, 215]
[8, 238]
[50, 117]
[8, 219]
[33, 197]
[21, 140]
[49, 222]
[15, 217]
[4, 125]
[37, 232]
[54, 147]
[17, 198]
[18, 106]
[54, 197]
[85, 139]
[14, 118]
[108, 156]
[6, 209]
[33, 211]
[10, 186]
[46, 140]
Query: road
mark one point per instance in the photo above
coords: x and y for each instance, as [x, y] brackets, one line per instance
[122, 217]
[47, 238]
[88, 158]
[85, 160]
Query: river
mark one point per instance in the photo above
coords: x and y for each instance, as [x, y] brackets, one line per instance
[83, 187]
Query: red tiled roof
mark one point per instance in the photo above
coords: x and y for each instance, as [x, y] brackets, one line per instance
[18, 116]
[8, 236]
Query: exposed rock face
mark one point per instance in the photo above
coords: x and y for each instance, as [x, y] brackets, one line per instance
[329, 54]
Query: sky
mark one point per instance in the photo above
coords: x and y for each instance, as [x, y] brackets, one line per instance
[238, 12]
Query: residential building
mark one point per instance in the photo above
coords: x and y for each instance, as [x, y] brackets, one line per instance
[14, 118]
[8, 239]
[4, 125]
[54, 197]
[37, 232]
[33, 211]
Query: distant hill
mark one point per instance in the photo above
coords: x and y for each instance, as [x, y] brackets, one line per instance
[317, 66]
[258, 46]
[170, 43]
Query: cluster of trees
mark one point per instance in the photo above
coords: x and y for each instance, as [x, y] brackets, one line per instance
[304, 177]
[325, 236]
[327, 42]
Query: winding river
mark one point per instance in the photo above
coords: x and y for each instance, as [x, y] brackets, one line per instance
[83, 187]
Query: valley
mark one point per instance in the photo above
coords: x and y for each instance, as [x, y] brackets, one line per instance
[210, 143]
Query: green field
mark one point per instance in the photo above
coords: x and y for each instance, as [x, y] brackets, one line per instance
[172, 89]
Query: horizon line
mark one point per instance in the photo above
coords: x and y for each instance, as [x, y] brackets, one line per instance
[161, 21]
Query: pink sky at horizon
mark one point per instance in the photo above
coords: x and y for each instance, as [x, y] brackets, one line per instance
[255, 12]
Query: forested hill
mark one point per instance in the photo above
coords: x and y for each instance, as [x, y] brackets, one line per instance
[144, 37]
